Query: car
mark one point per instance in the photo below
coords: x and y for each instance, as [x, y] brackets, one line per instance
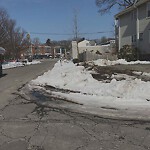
[1, 71]
[2, 51]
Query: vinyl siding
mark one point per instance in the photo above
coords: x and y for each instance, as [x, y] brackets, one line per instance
[144, 27]
[127, 29]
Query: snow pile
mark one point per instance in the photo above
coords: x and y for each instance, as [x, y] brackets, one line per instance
[104, 62]
[67, 76]
[33, 62]
[76, 78]
[12, 65]
[15, 64]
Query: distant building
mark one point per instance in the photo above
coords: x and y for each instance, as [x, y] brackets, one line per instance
[133, 27]
[41, 50]
[85, 43]
[37, 51]
[90, 51]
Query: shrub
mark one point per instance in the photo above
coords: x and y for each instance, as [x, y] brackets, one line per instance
[128, 53]
[75, 61]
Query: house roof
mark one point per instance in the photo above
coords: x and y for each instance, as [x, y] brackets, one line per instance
[84, 41]
[130, 8]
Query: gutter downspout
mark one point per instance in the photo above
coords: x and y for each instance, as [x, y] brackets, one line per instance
[119, 34]
[137, 26]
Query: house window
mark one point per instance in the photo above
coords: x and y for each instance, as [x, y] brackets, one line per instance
[141, 36]
[148, 9]
[133, 38]
[149, 35]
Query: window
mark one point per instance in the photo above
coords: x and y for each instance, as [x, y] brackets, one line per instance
[133, 38]
[148, 9]
[149, 35]
[141, 36]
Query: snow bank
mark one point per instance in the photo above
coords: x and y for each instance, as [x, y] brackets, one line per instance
[70, 76]
[104, 62]
[12, 65]
[18, 64]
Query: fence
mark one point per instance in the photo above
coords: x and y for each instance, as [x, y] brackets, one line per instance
[89, 56]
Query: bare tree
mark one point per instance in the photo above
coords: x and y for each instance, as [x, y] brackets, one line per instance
[17, 40]
[103, 40]
[20, 42]
[106, 5]
[3, 27]
[48, 42]
[12, 38]
[36, 41]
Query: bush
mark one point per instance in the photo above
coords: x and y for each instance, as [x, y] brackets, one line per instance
[128, 53]
[75, 61]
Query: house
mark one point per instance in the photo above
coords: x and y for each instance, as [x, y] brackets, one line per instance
[85, 43]
[59, 52]
[37, 51]
[133, 27]
[41, 50]
[88, 50]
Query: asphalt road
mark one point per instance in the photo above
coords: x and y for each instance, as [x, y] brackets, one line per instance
[14, 78]
[25, 125]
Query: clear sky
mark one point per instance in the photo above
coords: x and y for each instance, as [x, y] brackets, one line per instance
[56, 16]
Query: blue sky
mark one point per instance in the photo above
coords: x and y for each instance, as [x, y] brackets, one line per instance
[56, 16]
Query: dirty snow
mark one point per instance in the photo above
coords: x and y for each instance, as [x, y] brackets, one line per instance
[131, 92]
[18, 64]
[104, 62]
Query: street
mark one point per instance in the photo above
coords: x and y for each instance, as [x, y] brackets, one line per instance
[26, 125]
[14, 78]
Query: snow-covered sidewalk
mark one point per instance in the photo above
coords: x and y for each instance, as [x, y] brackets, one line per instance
[104, 62]
[15, 64]
[128, 94]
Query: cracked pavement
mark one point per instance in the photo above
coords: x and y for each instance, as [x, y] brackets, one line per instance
[27, 125]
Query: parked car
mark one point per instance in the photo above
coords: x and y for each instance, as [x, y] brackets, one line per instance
[1, 72]
[2, 51]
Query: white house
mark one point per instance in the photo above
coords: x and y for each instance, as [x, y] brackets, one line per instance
[133, 27]
[91, 51]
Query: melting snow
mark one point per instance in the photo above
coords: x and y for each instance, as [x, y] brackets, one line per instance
[18, 64]
[126, 93]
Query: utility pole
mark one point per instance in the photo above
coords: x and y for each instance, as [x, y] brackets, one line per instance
[76, 31]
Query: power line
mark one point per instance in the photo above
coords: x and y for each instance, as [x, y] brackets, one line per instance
[62, 34]
[96, 32]
[50, 33]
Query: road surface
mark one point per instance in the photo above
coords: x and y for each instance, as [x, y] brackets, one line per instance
[25, 125]
[14, 78]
